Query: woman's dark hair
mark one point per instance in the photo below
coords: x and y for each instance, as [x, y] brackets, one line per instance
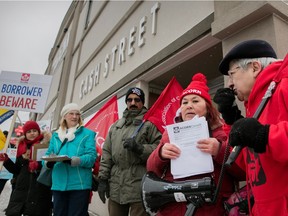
[213, 115]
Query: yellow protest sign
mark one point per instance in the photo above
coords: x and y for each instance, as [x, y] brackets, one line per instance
[2, 140]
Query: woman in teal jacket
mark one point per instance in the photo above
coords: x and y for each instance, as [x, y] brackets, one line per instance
[72, 179]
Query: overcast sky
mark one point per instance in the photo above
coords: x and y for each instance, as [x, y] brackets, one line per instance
[28, 32]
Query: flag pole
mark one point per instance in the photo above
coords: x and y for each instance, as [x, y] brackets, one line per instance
[138, 129]
[9, 136]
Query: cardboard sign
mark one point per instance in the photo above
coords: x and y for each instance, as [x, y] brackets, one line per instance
[4, 174]
[38, 151]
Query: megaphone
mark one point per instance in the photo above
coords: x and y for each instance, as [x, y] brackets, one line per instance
[156, 192]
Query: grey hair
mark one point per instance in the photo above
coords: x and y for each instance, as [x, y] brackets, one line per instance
[264, 61]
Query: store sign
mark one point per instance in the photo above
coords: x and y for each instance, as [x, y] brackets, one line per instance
[126, 47]
[24, 91]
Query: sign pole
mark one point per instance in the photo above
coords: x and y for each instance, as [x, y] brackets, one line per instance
[9, 136]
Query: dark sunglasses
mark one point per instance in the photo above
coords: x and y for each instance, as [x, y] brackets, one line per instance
[137, 100]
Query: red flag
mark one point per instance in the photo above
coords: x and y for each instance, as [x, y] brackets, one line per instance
[100, 123]
[165, 109]
[103, 119]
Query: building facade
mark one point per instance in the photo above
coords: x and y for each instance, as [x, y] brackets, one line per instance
[105, 47]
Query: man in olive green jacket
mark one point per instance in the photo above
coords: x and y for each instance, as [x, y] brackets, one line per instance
[124, 157]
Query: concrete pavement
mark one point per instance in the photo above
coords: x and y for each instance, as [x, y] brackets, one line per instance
[5, 196]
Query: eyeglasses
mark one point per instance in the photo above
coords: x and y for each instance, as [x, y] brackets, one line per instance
[137, 100]
[72, 114]
[234, 69]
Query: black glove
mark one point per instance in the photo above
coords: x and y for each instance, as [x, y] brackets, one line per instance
[133, 146]
[225, 99]
[249, 132]
[67, 161]
[50, 164]
[103, 190]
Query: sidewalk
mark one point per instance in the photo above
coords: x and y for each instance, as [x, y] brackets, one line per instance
[5, 196]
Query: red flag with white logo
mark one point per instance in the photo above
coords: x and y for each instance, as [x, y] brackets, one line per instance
[101, 123]
[166, 108]
[103, 119]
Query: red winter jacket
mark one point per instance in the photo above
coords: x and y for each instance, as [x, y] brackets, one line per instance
[267, 172]
[156, 164]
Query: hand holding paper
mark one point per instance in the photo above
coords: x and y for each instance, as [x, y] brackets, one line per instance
[170, 151]
[192, 161]
[209, 145]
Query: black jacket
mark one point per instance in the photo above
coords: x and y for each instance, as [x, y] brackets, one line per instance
[28, 197]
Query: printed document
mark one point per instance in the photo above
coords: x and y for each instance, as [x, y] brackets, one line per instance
[191, 161]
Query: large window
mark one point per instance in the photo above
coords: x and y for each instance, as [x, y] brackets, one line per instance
[88, 14]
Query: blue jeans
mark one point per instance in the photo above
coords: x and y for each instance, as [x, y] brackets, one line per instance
[70, 203]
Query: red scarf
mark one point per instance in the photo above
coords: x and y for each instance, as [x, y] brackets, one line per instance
[27, 144]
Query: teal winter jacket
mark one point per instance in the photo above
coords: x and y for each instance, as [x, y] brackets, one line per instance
[66, 177]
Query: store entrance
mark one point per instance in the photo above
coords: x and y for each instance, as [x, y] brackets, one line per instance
[203, 56]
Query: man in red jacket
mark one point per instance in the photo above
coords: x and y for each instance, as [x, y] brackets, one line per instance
[251, 66]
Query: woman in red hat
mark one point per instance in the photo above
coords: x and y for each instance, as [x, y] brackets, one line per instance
[195, 100]
[28, 197]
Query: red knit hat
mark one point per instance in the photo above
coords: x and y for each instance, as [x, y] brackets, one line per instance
[29, 125]
[198, 86]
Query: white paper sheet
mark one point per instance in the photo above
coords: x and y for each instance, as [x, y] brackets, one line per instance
[191, 161]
